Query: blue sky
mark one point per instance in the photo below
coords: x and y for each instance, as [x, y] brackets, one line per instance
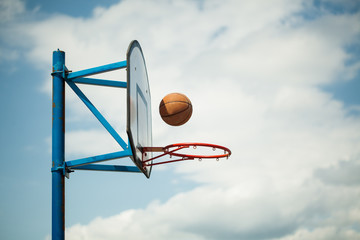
[276, 82]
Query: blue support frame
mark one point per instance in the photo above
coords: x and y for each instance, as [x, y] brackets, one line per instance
[97, 114]
[97, 70]
[110, 168]
[60, 167]
[99, 158]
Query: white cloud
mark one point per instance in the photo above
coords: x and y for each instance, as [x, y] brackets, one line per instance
[252, 70]
[221, 213]
[9, 9]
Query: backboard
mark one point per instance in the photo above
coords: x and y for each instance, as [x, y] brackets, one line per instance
[139, 119]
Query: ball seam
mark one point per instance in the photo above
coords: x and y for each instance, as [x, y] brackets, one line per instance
[177, 112]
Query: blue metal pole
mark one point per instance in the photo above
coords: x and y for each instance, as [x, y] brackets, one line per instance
[58, 147]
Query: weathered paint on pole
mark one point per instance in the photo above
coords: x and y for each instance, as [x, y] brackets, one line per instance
[58, 147]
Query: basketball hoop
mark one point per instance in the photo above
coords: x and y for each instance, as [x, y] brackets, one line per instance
[175, 150]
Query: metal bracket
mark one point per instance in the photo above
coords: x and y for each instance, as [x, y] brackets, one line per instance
[56, 73]
[65, 171]
[63, 73]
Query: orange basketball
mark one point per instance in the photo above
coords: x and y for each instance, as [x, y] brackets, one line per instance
[175, 109]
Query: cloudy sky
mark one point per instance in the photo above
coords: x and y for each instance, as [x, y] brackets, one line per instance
[275, 81]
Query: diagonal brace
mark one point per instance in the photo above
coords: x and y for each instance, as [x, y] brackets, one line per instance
[97, 114]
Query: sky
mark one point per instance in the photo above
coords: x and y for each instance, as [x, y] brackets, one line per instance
[277, 82]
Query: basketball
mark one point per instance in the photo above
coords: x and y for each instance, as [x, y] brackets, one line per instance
[175, 109]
